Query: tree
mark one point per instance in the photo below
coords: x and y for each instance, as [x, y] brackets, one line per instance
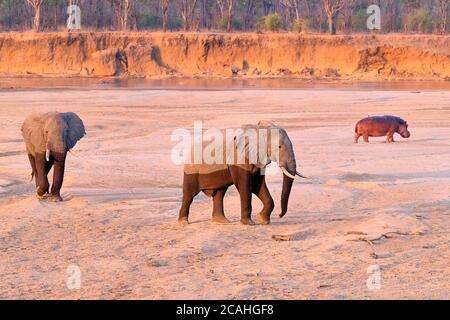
[272, 22]
[443, 10]
[292, 5]
[332, 8]
[318, 15]
[207, 13]
[121, 9]
[392, 13]
[187, 13]
[230, 14]
[125, 4]
[348, 12]
[226, 6]
[420, 21]
[408, 8]
[165, 13]
[37, 6]
[249, 12]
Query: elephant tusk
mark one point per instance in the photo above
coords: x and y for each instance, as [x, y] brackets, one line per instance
[47, 155]
[301, 176]
[286, 173]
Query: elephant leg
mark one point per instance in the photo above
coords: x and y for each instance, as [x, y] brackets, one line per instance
[262, 192]
[59, 163]
[218, 215]
[190, 190]
[243, 182]
[33, 169]
[41, 176]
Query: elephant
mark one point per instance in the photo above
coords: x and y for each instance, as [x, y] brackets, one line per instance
[48, 137]
[215, 178]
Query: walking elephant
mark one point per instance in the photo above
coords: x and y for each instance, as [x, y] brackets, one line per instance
[272, 144]
[48, 137]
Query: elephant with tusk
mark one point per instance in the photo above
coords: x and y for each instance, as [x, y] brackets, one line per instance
[214, 178]
[48, 137]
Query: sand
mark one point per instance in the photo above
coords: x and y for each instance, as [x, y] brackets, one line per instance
[370, 206]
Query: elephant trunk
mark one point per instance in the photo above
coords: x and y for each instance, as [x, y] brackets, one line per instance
[56, 143]
[286, 191]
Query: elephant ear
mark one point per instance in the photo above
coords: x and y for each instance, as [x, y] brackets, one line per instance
[251, 145]
[33, 133]
[75, 130]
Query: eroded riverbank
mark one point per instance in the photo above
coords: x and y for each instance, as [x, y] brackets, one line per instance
[286, 55]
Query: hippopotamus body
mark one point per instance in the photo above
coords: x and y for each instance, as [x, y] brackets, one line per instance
[380, 127]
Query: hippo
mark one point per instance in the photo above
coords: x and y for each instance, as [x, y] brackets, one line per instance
[381, 126]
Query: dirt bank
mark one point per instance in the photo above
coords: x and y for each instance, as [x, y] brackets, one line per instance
[359, 57]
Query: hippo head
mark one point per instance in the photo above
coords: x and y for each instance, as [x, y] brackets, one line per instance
[403, 129]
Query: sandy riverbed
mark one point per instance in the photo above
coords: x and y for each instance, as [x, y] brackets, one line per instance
[118, 223]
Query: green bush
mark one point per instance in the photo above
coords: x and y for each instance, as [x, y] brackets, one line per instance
[175, 22]
[420, 21]
[272, 22]
[301, 25]
[340, 24]
[361, 20]
[149, 21]
[235, 24]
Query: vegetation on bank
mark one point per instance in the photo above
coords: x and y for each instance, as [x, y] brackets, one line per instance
[333, 16]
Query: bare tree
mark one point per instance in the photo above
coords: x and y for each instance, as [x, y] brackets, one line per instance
[249, 12]
[292, 5]
[398, 15]
[332, 8]
[37, 6]
[267, 6]
[125, 6]
[221, 7]
[391, 9]
[443, 10]
[226, 6]
[165, 13]
[206, 13]
[187, 13]
[348, 13]
[121, 9]
[230, 14]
